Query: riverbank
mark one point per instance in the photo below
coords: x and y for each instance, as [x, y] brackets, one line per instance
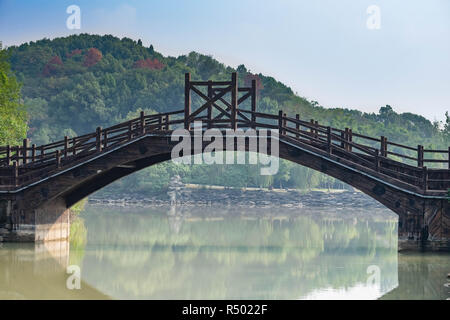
[194, 195]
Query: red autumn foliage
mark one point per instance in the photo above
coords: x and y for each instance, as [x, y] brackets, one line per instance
[148, 63]
[248, 81]
[92, 57]
[52, 67]
[73, 53]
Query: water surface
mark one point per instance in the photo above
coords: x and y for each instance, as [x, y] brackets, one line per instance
[226, 253]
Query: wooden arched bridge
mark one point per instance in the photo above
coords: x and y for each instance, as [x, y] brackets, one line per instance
[39, 183]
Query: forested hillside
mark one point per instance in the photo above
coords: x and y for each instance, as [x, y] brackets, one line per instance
[72, 85]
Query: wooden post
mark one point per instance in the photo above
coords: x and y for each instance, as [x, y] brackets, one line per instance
[17, 154]
[425, 178]
[210, 95]
[329, 145]
[187, 100]
[15, 173]
[130, 132]
[253, 125]
[74, 151]
[377, 160]
[25, 150]
[33, 152]
[99, 139]
[346, 145]
[420, 156]
[167, 122]
[350, 139]
[316, 133]
[58, 159]
[280, 122]
[42, 154]
[284, 123]
[105, 139]
[382, 148]
[8, 154]
[142, 122]
[342, 139]
[234, 100]
[66, 145]
[297, 126]
[311, 130]
[160, 122]
[448, 157]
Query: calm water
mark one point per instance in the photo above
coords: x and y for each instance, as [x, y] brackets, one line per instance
[220, 253]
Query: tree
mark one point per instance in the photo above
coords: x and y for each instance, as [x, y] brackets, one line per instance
[92, 57]
[13, 126]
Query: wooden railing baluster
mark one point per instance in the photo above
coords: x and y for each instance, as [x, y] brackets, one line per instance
[99, 139]
[420, 156]
[329, 145]
[33, 152]
[58, 159]
[142, 122]
[424, 178]
[280, 122]
[8, 155]
[25, 151]
[66, 145]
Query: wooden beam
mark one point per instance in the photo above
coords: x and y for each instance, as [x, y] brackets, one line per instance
[234, 100]
[210, 95]
[253, 102]
[187, 100]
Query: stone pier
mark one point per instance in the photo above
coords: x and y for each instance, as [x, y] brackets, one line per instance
[49, 222]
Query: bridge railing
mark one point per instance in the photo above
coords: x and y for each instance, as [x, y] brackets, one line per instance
[21, 164]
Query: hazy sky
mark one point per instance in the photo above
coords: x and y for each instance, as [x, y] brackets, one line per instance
[322, 49]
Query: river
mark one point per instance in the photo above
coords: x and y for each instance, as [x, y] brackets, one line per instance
[188, 252]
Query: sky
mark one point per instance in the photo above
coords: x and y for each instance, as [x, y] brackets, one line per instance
[341, 53]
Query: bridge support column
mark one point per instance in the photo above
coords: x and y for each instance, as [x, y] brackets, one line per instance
[428, 231]
[48, 222]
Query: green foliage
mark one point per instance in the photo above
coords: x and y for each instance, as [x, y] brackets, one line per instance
[13, 125]
[78, 207]
[73, 84]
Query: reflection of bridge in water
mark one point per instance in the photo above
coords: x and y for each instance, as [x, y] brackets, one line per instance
[38, 183]
[219, 253]
[38, 271]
